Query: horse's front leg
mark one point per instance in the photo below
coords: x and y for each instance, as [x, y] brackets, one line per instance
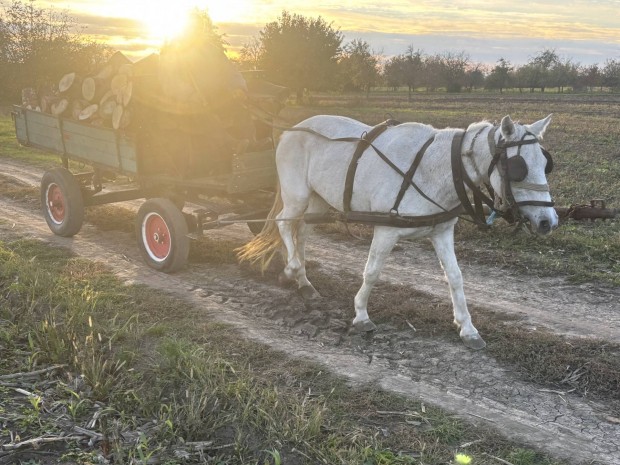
[383, 242]
[443, 242]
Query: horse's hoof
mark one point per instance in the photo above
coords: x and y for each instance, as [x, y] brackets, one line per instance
[474, 342]
[308, 293]
[364, 326]
[284, 280]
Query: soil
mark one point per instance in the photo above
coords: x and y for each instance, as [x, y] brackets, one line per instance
[435, 368]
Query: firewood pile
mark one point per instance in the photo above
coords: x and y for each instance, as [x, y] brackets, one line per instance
[101, 99]
[187, 108]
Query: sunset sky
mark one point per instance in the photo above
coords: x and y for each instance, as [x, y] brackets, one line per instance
[586, 31]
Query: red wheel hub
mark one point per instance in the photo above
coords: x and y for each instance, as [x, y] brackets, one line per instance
[156, 236]
[56, 203]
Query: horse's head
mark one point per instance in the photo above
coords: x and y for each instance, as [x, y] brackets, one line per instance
[518, 174]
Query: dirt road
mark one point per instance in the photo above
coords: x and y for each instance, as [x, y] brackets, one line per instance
[438, 370]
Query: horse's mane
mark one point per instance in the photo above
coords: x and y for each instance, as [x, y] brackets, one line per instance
[479, 125]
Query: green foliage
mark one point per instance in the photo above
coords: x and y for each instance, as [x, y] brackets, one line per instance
[300, 52]
[359, 66]
[38, 46]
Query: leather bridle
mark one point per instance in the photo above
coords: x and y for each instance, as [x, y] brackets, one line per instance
[512, 171]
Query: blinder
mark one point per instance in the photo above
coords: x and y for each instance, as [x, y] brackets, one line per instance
[516, 168]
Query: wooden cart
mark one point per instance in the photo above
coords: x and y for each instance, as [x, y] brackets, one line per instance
[164, 224]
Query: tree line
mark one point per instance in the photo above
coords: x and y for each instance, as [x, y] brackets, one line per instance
[308, 54]
[38, 45]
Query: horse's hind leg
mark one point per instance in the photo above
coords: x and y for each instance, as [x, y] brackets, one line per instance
[294, 240]
[383, 242]
[443, 242]
[316, 206]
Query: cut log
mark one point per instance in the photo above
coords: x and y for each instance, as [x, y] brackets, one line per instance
[93, 88]
[117, 116]
[126, 93]
[47, 101]
[76, 108]
[106, 109]
[60, 107]
[70, 84]
[119, 81]
[88, 112]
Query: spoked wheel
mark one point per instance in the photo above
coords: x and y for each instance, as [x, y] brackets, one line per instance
[161, 231]
[62, 201]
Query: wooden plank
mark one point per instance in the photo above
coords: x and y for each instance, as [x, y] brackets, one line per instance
[37, 129]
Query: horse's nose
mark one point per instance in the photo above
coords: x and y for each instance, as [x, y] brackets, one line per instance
[544, 227]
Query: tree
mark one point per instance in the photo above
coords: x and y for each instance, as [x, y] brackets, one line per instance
[300, 53]
[453, 67]
[499, 78]
[540, 67]
[359, 66]
[251, 54]
[611, 74]
[38, 46]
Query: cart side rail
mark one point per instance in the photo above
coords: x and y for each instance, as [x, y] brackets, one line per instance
[97, 146]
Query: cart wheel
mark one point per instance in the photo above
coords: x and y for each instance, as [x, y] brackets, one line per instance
[256, 228]
[62, 202]
[162, 235]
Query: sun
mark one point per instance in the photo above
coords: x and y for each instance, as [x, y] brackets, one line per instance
[166, 24]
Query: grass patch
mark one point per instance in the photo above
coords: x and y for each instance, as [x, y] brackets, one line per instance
[141, 370]
[580, 251]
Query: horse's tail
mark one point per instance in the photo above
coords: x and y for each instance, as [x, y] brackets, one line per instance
[266, 244]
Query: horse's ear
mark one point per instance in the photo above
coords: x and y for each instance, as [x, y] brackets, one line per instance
[508, 127]
[539, 127]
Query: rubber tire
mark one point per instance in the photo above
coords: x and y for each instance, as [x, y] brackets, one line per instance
[166, 215]
[66, 189]
[256, 228]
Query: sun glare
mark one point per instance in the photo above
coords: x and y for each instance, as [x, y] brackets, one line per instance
[165, 24]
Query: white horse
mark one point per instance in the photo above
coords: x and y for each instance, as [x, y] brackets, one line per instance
[313, 160]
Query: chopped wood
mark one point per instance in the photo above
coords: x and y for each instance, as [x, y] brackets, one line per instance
[76, 108]
[106, 108]
[59, 107]
[88, 112]
[32, 374]
[93, 88]
[48, 102]
[69, 83]
[117, 116]
[126, 93]
[119, 82]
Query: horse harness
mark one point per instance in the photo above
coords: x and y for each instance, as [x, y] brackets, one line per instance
[512, 170]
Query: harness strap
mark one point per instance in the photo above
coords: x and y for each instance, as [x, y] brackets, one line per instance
[362, 145]
[408, 178]
[385, 219]
[461, 179]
